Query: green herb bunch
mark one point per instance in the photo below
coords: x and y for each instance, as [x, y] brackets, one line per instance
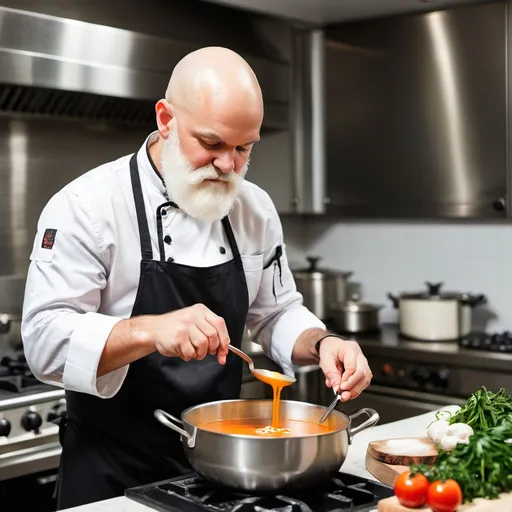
[482, 468]
[484, 409]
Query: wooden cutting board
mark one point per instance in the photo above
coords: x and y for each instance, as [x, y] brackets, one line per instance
[388, 458]
[385, 473]
[404, 451]
[502, 504]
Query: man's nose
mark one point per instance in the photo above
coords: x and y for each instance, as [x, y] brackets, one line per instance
[225, 162]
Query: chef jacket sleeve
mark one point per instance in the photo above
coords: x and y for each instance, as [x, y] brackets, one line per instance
[63, 333]
[277, 316]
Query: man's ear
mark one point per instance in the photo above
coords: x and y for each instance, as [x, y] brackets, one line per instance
[164, 117]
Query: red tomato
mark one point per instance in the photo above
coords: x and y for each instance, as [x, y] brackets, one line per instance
[444, 496]
[411, 489]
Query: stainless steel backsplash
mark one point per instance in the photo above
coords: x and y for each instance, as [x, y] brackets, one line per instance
[38, 156]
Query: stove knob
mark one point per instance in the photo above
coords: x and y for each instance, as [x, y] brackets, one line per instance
[421, 376]
[56, 412]
[440, 378]
[31, 421]
[5, 427]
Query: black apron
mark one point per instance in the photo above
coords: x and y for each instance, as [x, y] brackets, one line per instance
[112, 444]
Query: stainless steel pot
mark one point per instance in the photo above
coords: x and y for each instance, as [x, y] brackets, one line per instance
[321, 287]
[354, 317]
[264, 463]
[434, 315]
[10, 330]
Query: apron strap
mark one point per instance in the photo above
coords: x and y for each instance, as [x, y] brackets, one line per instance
[145, 237]
[232, 242]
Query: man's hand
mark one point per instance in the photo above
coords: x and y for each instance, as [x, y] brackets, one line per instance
[188, 333]
[345, 367]
[191, 333]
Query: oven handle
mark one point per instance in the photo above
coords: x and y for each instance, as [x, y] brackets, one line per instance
[408, 394]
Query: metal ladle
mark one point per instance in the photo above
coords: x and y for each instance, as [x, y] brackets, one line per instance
[330, 408]
[266, 376]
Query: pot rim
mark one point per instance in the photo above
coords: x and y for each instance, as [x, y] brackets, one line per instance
[353, 306]
[258, 438]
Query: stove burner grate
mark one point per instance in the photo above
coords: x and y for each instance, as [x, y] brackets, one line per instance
[497, 342]
[193, 494]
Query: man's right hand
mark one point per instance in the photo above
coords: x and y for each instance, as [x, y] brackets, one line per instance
[191, 333]
[188, 333]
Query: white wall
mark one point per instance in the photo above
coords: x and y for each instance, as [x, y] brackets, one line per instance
[398, 257]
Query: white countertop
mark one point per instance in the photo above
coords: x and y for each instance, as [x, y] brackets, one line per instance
[354, 463]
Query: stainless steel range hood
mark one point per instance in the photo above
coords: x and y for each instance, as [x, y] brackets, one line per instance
[64, 67]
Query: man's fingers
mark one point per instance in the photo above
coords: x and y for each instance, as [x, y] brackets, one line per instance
[199, 341]
[331, 372]
[187, 351]
[350, 358]
[360, 380]
[211, 333]
[222, 334]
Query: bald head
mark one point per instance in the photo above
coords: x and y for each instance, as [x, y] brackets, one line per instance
[211, 116]
[214, 78]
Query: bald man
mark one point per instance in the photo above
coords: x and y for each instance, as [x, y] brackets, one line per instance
[143, 272]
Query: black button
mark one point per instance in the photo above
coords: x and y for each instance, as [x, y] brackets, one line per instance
[164, 212]
[170, 260]
[167, 239]
[222, 250]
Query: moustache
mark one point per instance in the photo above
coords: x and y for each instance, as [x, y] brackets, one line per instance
[210, 173]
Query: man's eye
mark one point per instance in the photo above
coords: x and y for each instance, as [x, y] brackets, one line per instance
[242, 149]
[210, 145]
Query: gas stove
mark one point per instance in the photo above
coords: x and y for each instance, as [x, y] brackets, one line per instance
[497, 342]
[28, 409]
[191, 493]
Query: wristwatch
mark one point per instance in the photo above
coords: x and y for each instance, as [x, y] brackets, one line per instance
[330, 335]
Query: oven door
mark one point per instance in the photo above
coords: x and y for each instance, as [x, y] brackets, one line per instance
[394, 404]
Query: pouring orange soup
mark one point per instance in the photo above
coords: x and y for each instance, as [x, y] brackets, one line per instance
[277, 428]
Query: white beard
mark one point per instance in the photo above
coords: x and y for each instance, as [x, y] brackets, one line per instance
[206, 201]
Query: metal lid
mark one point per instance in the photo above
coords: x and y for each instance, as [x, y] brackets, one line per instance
[313, 272]
[433, 292]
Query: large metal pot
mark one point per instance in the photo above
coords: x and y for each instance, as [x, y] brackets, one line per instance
[321, 287]
[354, 317]
[433, 315]
[264, 463]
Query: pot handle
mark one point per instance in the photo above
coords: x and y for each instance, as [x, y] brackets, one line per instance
[165, 418]
[372, 420]
[434, 288]
[393, 299]
[474, 300]
[313, 261]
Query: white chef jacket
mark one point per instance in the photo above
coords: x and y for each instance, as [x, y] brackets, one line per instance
[84, 281]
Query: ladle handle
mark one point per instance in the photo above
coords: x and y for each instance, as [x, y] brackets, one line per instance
[243, 355]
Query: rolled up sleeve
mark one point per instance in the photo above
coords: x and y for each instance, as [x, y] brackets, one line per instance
[63, 334]
[277, 317]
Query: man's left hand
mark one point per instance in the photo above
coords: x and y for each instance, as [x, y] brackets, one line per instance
[345, 367]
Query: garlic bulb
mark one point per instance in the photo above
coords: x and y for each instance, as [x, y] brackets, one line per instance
[448, 443]
[460, 430]
[437, 429]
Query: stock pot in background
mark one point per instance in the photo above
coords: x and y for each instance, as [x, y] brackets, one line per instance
[355, 317]
[433, 315]
[321, 287]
